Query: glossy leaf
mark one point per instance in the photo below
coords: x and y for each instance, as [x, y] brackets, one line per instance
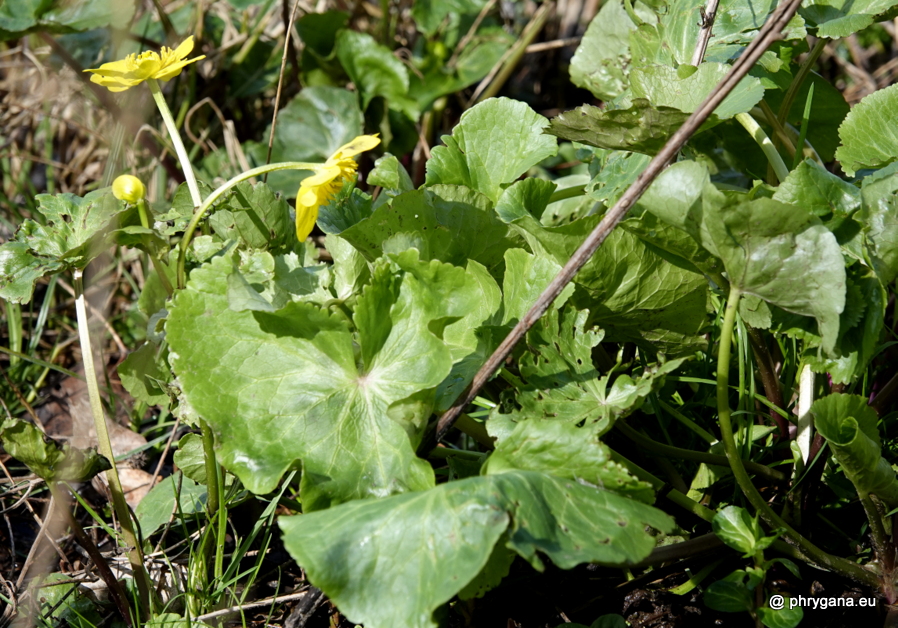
[255, 217]
[374, 71]
[295, 371]
[601, 59]
[431, 544]
[559, 381]
[729, 597]
[851, 427]
[869, 135]
[773, 251]
[47, 458]
[493, 144]
[662, 86]
[310, 128]
[813, 187]
[879, 220]
[641, 127]
[142, 377]
[839, 18]
[565, 451]
[175, 495]
[739, 530]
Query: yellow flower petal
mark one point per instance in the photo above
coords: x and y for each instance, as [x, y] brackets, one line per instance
[117, 76]
[319, 188]
[356, 146]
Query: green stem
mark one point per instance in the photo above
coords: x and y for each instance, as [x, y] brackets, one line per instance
[669, 451]
[814, 554]
[175, 136]
[211, 469]
[798, 80]
[218, 193]
[571, 192]
[135, 554]
[877, 531]
[773, 156]
[14, 330]
[702, 433]
[658, 484]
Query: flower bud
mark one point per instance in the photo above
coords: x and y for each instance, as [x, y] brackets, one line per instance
[128, 188]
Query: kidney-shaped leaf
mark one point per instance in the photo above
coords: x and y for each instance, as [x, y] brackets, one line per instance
[392, 562]
[286, 386]
[494, 143]
[869, 132]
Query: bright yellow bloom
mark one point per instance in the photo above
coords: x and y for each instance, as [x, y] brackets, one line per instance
[134, 69]
[328, 179]
[128, 188]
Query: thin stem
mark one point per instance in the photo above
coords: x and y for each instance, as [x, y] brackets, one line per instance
[135, 554]
[116, 592]
[175, 136]
[812, 552]
[669, 451]
[769, 33]
[757, 133]
[571, 192]
[877, 531]
[218, 193]
[799, 78]
[704, 35]
[678, 498]
[769, 378]
[211, 469]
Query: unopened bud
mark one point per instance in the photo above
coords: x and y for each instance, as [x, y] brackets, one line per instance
[128, 188]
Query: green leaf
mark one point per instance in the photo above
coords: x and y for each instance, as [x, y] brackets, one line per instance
[20, 270]
[785, 617]
[641, 127]
[811, 186]
[309, 128]
[735, 527]
[729, 597]
[879, 221]
[735, 26]
[431, 544]
[828, 111]
[777, 252]
[375, 71]
[65, 603]
[46, 458]
[296, 371]
[559, 381]
[850, 426]
[663, 87]
[632, 292]
[142, 377]
[256, 217]
[446, 222]
[869, 136]
[19, 17]
[175, 495]
[526, 276]
[391, 175]
[839, 18]
[785, 257]
[75, 227]
[600, 61]
[191, 458]
[494, 143]
[565, 451]
[429, 14]
[435, 77]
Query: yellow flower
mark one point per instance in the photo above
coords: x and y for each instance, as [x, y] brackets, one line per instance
[328, 179]
[128, 188]
[134, 69]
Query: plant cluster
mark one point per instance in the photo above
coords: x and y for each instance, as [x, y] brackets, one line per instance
[313, 378]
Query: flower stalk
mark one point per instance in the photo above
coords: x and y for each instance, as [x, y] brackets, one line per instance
[129, 533]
